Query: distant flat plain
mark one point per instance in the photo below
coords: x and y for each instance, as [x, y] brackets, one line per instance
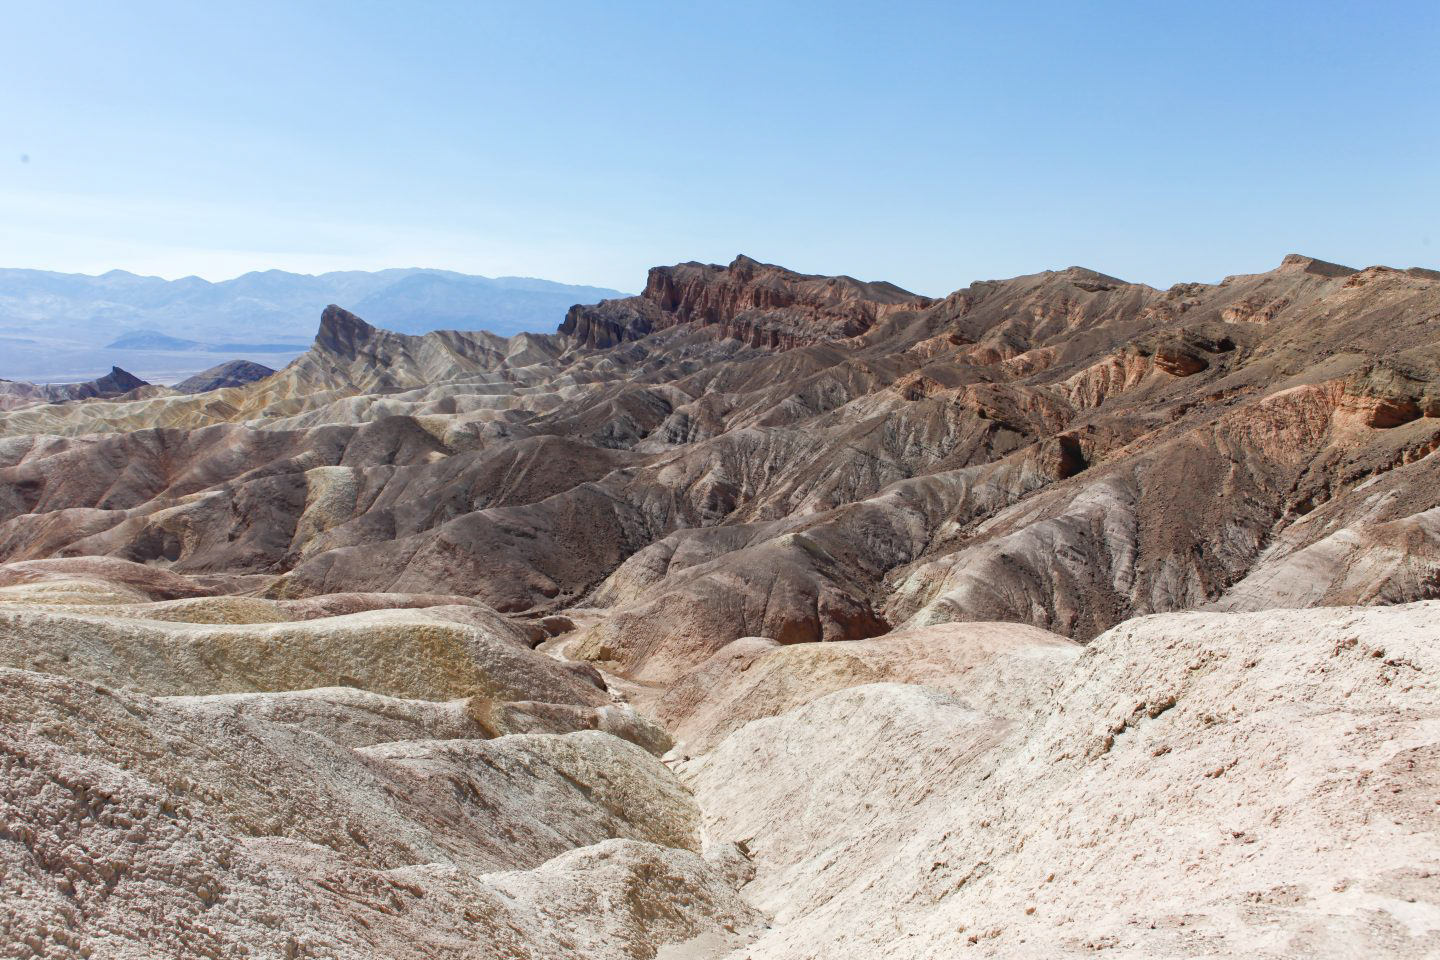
[57, 360]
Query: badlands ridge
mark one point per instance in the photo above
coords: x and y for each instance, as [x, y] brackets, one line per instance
[758, 616]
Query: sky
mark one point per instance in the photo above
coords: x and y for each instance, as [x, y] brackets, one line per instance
[929, 144]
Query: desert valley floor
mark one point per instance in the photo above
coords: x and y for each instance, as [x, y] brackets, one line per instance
[761, 615]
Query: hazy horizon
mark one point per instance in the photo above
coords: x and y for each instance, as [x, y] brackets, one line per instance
[67, 327]
[932, 146]
[635, 288]
[229, 278]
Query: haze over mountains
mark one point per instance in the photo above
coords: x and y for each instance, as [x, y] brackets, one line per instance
[760, 615]
[57, 327]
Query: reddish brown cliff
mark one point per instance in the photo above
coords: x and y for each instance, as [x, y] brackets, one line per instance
[759, 303]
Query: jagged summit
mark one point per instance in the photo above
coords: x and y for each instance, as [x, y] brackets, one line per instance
[758, 303]
[1092, 280]
[351, 354]
[118, 381]
[1298, 262]
[881, 291]
[19, 393]
[341, 332]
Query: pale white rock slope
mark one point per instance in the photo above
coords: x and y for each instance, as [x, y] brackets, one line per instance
[133, 827]
[1197, 785]
[226, 777]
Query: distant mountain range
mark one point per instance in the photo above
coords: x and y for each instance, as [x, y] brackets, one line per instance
[63, 327]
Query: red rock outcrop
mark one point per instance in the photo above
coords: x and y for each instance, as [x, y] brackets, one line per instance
[757, 303]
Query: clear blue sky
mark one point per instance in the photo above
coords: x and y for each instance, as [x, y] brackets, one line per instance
[926, 143]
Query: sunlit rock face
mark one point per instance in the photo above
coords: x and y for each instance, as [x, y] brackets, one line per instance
[762, 612]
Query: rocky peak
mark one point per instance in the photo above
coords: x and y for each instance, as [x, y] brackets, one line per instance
[1091, 281]
[234, 373]
[118, 381]
[1299, 263]
[341, 332]
[761, 303]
